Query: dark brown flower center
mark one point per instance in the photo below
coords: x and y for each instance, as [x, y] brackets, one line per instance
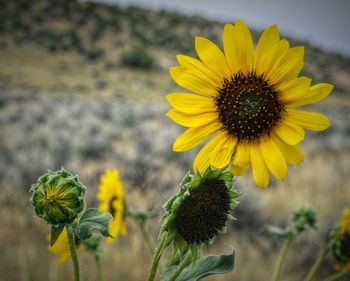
[111, 208]
[345, 246]
[248, 106]
[204, 212]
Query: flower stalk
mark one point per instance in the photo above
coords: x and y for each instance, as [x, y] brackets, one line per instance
[156, 259]
[281, 257]
[140, 219]
[73, 252]
[146, 236]
[338, 275]
[99, 267]
[316, 265]
[181, 267]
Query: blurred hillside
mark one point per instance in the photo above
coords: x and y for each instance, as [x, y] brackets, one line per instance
[83, 86]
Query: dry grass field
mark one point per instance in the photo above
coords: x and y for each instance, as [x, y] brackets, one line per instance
[73, 93]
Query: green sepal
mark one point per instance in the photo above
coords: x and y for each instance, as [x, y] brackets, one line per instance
[91, 220]
[168, 204]
[205, 266]
[194, 253]
[183, 248]
[223, 230]
[196, 181]
[186, 181]
[235, 195]
[228, 178]
[174, 260]
[214, 174]
[56, 230]
[170, 237]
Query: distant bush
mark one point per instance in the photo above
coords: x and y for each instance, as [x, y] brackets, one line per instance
[138, 57]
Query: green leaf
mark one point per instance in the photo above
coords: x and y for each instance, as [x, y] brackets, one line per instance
[56, 230]
[92, 220]
[274, 230]
[206, 266]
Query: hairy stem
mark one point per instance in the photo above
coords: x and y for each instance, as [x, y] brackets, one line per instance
[73, 252]
[181, 267]
[156, 259]
[316, 265]
[99, 268]
[146, 236]
[280, 259]
[337, 275]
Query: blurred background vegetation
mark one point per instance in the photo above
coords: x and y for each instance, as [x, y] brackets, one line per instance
[83, 85]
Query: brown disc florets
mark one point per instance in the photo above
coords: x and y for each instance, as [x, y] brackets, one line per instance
[345, 246]
[111, 208]
[204, 212]
[248, 106]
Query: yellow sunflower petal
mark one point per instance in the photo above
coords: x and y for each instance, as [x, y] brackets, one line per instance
[184, 78]
[222, 154]
[194, 136]
[309, 120]
[278, 56]
[290, 133]
[292, 153]
[202, 160]
[124, 230]
[241, 160]
[227, 40]
[188, 103]
[289, 67]
[197, 65]
[298, 88]
[192, 120]
[273, 158]
[212, 57]
[239, 46]
[316, 93]
[266, 49]
[259, 168]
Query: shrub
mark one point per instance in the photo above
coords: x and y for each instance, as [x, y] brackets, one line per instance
[138, 57]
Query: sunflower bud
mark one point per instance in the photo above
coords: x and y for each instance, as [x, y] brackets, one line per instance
[340, 241]
[58, 197]
[200, 210]
[303, 219]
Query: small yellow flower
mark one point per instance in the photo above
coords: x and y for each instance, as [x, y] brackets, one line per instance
[245, 98]
[111, 197]
[61, 247]
[344, 223]
[340, 241]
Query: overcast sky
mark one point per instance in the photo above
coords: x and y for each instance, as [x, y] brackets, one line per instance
[323, 22]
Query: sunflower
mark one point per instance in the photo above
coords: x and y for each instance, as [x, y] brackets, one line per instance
[61, 247]
[200, 211]
[111, 197]
[344, 223]
[245, 99]
[340, 241]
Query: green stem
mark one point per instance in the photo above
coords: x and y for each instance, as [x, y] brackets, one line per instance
[339, 274]
[180, 268]
[146, 236]
[99, 268]
[316, 265]
[156, 259]
[73, 252]
[280, 259]
[141, 224]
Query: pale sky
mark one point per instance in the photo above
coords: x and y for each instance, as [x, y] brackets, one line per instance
[323, 22]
